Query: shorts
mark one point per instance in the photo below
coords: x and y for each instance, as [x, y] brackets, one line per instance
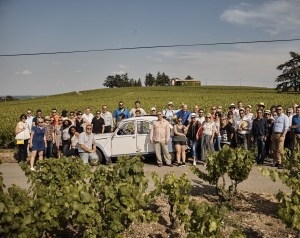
[179, 143]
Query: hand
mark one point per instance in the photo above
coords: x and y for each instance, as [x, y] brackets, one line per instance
[60, 144]
[53, 141]
[240, 129]
[30, 145]
[252, 138]
[292, 127]
[93, 151]
[45, 145]
[166, 142]
[281, 139]
[271, 137]
[265, 138]
[211, 142]
[112, 129]
[151, 141]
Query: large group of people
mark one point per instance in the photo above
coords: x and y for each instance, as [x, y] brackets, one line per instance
[270, 130]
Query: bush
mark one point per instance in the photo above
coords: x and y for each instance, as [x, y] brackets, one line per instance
[237, 163]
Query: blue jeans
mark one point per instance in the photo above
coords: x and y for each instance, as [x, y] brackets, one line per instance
[217, 143]
[65, 145]
[194, 145]
[261, 151]
[85, 156]
[48, 150]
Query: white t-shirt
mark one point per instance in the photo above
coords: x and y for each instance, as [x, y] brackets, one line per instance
[208, 128]
[29, 121]
[88, 117]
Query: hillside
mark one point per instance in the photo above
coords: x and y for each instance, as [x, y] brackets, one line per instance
[204, 96]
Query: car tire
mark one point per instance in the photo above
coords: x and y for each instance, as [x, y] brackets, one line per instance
[100, 156]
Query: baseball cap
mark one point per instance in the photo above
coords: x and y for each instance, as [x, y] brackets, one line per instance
[153, 109]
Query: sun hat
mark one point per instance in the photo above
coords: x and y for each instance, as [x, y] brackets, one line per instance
[66, 119]
[244, 124]
[193, 115]
[153, 109]
[231, 105]
[267, 112]
[170, 103]
[261, 104]
[47, 118]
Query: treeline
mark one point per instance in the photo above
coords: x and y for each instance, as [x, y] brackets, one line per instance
[120, 81]
[8, 98]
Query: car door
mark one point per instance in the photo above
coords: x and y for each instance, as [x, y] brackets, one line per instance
[124, 139]
[143, 137]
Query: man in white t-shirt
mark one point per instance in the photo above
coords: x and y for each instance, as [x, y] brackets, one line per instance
[88, 115]
[137, 107]
[243, 131]
[199, 116]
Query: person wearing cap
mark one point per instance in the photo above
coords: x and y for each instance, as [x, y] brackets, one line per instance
[281, 125]
[192, 136]
[49, 129]
[137, 107]
[196, 112]
[261, 106]
[268, 143]
[64, 114]
[65, 134]
[243, 127]
[118, 111]
[169, 112]
[153, 111]
[259, 135]
[232, 108]
[288, 141]
[38, 116]
[296, 129]
[88, 115]
[184, 113]
[159, 137]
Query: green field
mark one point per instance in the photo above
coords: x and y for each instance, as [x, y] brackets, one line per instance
[204, 96]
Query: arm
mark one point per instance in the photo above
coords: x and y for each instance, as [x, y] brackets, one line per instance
[17, 131]
[86, 122]
[53, 139]
[85, 148]
[114, 121]
[45, 141]
[30, 140]
[151, 133]
[212, 137]
[177, 133]
[103, 128]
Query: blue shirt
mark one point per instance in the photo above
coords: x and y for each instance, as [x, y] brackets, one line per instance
[281, 123]
[296, 121]
[118, 112]
[184, 116]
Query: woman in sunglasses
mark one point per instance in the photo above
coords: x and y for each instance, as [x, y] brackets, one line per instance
[72, 118]
[80, 122]
[58, 135]
[22, 134]
[179, 141]
[207, 136]
[37, 141]
[217, 135]
[65, 134]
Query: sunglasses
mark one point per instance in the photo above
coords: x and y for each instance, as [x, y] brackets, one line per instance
[213, 109]
[207, 117]
[259, 112]
[200, 112]
[159, 114]
[288, 112]
[219, 107]
[60, 120]
[250, 107]
[89, 128]
[179, 120]
[278, 109]
[23, 118]
[28, 112]
[98, 113]
[40, 122]
[53, 112]
[121, 104]
[241, 113]
[80, 114]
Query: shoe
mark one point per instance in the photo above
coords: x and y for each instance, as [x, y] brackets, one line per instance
[205, 165]
[268, 159]
[170, 165]
[159, 165]
[183, 164]
[179, 165]
[194, 163]
[32, 169]
[281, 166]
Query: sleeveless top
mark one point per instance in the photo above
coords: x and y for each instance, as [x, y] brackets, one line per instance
[24, 135]
[207, 128]
[79, 128]
[217, 128]
[178, 138]
[74, 142]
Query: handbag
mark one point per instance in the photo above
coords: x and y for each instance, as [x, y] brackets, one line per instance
[200, 131]
[20, 142]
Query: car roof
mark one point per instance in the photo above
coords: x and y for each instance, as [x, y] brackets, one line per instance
[141, 118]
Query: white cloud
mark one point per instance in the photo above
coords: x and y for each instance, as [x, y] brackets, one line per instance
[166, 53]
[56, 63]
[151, 58]
[273, 16]
[118, 72]
[123, 66]
[78, 71]
[17, 73]
[26, 72]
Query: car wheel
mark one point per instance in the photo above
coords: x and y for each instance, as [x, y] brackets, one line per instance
[100, 156]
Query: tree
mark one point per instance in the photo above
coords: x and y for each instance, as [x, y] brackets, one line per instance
[189, 77]
[139, 84]
[290, 77]
[149, 80]
[110, 82]
[158, 79]
[165, 80]
[9, 98]
[125, 80]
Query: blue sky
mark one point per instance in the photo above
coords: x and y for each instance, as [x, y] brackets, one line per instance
[47, 26]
